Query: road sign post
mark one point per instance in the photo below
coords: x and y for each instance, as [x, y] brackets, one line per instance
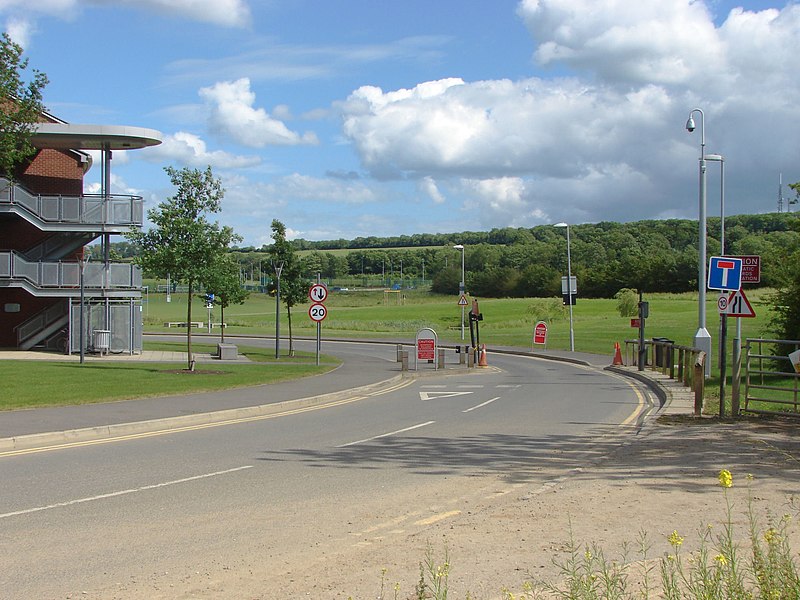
[318, 293]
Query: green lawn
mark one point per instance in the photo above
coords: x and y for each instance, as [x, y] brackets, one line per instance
[31, 384]
[507, 322]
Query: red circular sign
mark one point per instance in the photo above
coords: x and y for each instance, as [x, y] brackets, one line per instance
[318, 292]
[317, 312]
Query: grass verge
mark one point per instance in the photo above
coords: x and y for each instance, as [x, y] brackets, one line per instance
[35, 384]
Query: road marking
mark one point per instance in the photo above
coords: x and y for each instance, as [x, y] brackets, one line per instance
[383, 435]
[435, 395]
[171, 430]
[437, 518]
[481, 405]
[144, 488]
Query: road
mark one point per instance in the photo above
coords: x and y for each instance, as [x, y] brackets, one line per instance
[239, 506]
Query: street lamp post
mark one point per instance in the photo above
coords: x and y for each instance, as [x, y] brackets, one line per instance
[702, 339]
[723, 318]
[278, 268]
[461, 287]
[569, 289]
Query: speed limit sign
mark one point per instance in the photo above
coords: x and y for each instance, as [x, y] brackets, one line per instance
[722, 303]
[317, 312]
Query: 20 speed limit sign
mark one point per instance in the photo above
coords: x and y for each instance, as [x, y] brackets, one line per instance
[317, 312]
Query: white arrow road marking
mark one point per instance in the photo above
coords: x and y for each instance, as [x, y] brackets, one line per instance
[435, 395]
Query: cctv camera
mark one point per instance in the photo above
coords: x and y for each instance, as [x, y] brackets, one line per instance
[690, 125]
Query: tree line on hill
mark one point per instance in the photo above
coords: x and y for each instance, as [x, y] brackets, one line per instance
[652, 256]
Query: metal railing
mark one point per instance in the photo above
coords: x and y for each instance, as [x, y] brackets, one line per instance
[87, 209]
[67, 274]
[771, 379]
[682, 363]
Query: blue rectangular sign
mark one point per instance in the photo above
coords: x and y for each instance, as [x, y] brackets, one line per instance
[724, 273]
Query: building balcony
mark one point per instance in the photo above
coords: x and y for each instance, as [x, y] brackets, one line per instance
[63, 278]
[114, 213]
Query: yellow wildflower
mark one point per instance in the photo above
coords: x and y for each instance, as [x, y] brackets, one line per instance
[771, 535]
[675, 539]
[725, 478]
[720, 558]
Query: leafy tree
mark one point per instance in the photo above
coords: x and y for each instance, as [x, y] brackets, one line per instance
[182, 241]
[294, 285]
[447, 281]
[627, 302]
[222, 280]
[20, 107]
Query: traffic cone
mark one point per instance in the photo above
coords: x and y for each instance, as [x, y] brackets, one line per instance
[482, 357]
[617, 355]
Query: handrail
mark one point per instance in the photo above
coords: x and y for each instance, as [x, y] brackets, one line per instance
[67, 274]
[669, 363]
[86, 209]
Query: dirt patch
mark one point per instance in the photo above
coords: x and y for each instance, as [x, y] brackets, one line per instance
[195, 372]
[661, 480]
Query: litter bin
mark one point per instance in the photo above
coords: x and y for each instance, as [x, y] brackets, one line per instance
[102, 340]
[663, 352]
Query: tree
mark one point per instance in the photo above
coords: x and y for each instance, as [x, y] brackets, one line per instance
[222, 280]
[20, 107]
[294, 285]
[182, 242]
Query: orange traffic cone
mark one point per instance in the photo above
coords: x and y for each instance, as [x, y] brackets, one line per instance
[482, 357]
[617, 355]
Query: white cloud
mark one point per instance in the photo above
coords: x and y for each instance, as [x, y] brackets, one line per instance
[605, 140]
[427, 186]
[228, 13]
[658, 41]
[232, 115]
[189, 149]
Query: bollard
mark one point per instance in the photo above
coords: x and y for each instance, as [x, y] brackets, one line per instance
[699, 383]
[399, 352]
[470, 359]
[440, 364]
[404, 360]
[462, 355]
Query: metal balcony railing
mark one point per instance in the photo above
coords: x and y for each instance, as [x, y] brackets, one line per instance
[67, 274]
[88, 209]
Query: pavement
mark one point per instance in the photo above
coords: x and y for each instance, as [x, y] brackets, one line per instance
[21, 429]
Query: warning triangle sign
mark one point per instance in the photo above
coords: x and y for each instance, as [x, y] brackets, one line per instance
[462, 301]
[738, 305]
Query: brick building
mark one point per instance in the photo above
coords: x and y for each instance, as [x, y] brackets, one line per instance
[50, 297]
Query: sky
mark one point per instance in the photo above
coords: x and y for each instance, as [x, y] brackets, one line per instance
[356, 118]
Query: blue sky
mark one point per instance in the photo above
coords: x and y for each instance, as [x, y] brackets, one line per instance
[359, 117]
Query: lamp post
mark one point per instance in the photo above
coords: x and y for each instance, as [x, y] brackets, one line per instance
[570, 291]
[723, 318]
[82, 340]
[278, 268]
[461, 287]
[702, 339]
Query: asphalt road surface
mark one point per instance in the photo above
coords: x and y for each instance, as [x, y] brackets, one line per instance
[168, 515]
